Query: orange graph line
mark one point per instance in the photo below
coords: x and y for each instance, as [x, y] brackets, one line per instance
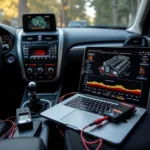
[118, 88]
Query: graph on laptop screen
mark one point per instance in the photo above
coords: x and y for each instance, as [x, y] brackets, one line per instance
[116, 73]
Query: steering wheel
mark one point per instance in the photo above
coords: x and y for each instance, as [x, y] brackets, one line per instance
[1, 54]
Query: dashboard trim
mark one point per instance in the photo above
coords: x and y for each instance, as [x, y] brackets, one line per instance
[59, 61]
[83, 47]
[20, 55]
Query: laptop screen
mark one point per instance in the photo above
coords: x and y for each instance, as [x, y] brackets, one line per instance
[121, 74]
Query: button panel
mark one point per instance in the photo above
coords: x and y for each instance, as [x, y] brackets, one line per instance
[40, 67]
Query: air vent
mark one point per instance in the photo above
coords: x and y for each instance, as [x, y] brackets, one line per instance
[42, 38]
[49, 38]
[136, 41]
[30, 38]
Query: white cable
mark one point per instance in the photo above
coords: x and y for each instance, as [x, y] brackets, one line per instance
[25, 103]
[44, 100]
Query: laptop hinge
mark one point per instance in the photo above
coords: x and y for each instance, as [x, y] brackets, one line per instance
[101, 98]
[88, 95]
[107, 99]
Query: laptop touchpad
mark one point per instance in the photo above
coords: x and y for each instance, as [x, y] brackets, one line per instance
[79, 119]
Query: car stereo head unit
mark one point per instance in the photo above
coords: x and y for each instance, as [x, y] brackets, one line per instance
[39, 22]
[39, 51]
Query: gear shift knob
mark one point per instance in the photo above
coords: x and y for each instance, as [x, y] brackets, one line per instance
[35, 104]
[32, 86]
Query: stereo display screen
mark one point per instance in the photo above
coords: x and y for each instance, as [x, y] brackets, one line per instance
[39, 22]
[40, 51]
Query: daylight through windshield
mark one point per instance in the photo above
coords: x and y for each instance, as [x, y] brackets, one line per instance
[73, 13]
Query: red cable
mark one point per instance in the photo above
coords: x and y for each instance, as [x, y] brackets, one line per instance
[6, 135]
[12, 133]
[61, 133]
[97, 121]
[8, 132]
[62, 97]
[14, 127]
[60, 100]
[11, 117]
[11, 129]
[85, 143]
[90, 143]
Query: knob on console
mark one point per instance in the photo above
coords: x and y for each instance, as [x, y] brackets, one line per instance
[32, 86]
[29, 71]
[50, 70]
[35, 102]
[53, 57]
[40, 70]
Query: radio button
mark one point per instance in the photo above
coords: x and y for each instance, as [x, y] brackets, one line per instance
[29, 71]
[50, 70]
[40, 70]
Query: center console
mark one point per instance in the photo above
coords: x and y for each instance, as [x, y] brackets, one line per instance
[40, 50]
[30, 100]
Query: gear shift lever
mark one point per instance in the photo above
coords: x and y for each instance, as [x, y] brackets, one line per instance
[32, 88]
[35, 102]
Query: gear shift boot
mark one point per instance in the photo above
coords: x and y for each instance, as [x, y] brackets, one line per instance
[35, 102]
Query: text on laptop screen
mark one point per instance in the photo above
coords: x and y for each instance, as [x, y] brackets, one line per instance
[116, 73]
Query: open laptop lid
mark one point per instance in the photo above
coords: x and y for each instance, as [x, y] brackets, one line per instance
[121, 74]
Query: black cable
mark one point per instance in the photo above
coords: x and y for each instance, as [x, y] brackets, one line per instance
[38, 113]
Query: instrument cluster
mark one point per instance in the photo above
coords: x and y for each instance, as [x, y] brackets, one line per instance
[7, 40]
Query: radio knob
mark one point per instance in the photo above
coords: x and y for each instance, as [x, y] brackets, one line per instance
[50, 70]
[29, 71]
[40, 70]
[53, 57]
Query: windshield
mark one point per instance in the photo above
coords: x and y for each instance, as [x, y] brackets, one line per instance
[73, 13]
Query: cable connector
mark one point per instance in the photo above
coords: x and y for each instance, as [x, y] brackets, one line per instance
[86, 143]
[98, 121]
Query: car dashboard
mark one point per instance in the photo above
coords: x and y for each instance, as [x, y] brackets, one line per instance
[53, 60]
[58, 48]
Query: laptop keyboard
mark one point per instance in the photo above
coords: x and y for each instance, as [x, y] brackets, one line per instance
[90, 105]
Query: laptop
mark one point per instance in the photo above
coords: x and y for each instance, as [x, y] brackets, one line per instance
[108, 76]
